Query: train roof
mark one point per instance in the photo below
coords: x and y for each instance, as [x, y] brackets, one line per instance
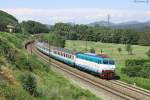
[56, 48]
[100, 56]
[64, 50]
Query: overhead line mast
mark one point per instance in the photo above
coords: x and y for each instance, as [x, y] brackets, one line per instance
[108, 19]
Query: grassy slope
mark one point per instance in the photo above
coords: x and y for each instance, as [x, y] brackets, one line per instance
[50, 85]
[112, 50]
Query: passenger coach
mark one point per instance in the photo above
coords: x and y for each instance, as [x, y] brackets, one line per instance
[99, 65]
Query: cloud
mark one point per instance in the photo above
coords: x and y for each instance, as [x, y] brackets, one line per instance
[79, 15]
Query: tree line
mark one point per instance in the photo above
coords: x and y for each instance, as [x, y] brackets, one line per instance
[53, 39]
[33, 27]
[78, 32]
[101, 34]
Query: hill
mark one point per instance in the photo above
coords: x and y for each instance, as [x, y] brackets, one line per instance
[7, 19]
[140, 26]
[101, 23]
[24, 77]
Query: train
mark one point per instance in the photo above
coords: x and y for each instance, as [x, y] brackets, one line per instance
[99, 65]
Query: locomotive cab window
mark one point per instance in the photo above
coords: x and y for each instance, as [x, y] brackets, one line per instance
[105, 62]
[111, 62]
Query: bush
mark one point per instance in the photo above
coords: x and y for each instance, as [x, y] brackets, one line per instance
[29, 83]
[135, 62]
[54, 94]
[145, 72]
[119, 49]
[92, 50]
[13, 92]
[2, 62]
[148, 53]
[137, 68]
[132, 71]
[129, 49]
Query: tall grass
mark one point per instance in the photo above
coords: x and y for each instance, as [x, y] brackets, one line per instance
[49, 85]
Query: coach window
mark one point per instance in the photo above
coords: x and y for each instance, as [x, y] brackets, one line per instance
[72, 57]
[100, 62]
[69, 56]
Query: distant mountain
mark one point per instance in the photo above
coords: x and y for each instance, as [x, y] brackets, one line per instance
[101, 23]
[140, 26]
[70, 23]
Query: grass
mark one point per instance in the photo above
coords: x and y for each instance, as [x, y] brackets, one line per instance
[111, 50]
[50, 85]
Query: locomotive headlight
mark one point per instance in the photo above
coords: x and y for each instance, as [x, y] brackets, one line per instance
[113, 66]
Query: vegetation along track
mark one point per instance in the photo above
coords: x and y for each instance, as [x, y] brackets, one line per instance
[120, 89]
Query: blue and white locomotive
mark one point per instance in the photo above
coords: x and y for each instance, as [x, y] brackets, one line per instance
[92, 63]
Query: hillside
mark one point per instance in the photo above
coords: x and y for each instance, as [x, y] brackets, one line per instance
[7, 19]
[23, 27]
[24, 77]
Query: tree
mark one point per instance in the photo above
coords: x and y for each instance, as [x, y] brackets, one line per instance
[119, 49]
[92, 50]
[145, 38]
[33, 27]
[148, 53]
[129, 49]
[54, 39]
[96, 33]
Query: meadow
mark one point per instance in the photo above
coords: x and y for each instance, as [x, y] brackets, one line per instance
[111, 50]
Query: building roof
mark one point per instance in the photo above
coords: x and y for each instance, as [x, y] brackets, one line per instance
[10, 26]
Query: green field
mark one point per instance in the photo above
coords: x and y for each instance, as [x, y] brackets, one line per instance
[111, 50]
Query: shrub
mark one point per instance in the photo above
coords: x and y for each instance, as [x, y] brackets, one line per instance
[92, 50]
[29, 83]
[119, 49]
[2, 62]
[129, 49]
[148, 53]
[54, 94]
[137, 68]
[135, 62]
[145, 72]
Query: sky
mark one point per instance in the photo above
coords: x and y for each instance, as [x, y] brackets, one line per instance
[77, 11]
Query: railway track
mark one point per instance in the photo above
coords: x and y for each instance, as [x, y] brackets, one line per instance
[134, 88]
[121, 90]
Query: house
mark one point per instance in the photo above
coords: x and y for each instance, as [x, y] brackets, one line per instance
[10, 28]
